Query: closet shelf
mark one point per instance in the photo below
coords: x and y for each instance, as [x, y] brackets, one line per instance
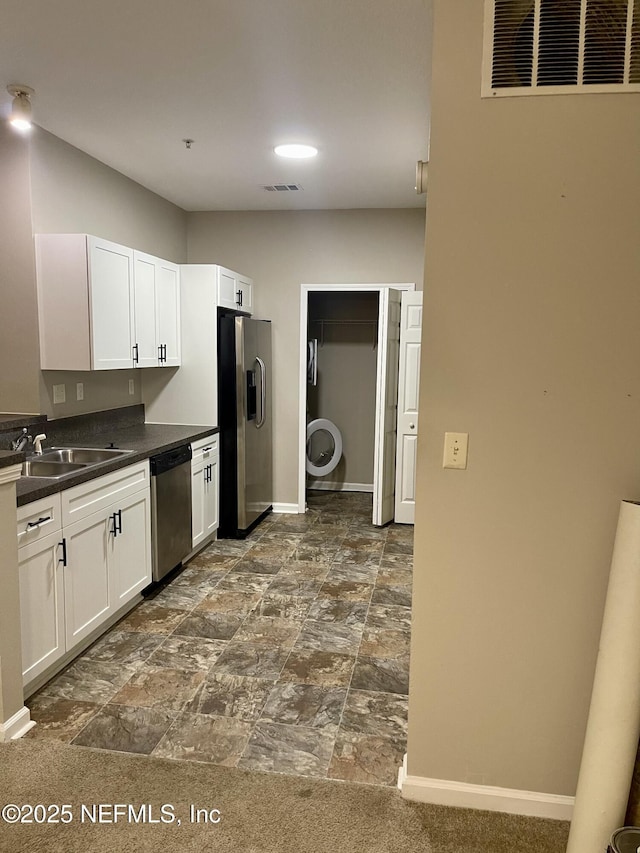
[322, 323]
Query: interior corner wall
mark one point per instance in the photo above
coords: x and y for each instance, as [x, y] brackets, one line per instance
[281, 250]
[72, 192]
[531, 344]
[19, 345]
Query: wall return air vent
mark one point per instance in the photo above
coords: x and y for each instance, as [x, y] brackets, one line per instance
[546, 47]
[281, 188]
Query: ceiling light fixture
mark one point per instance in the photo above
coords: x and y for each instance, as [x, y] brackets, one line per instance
[21, 107]
[296, 151]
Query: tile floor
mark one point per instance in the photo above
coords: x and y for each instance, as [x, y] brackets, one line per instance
[287, 652]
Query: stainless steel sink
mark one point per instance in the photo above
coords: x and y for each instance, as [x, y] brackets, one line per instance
[82, 455]
[41, 468]
[61, 461]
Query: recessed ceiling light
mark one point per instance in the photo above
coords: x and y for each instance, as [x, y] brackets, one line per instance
[296, 151]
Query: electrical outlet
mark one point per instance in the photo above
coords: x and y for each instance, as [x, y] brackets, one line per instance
[59, 394]
[132, 386]
[455, 449]
[79, 390]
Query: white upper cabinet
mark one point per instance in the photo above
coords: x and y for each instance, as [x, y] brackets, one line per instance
[122, 306]
[110, 276]
[234, 291]
[157, 312]
[168, 313]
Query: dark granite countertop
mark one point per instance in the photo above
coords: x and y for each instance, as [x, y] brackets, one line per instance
[10, 457]
[144, 440]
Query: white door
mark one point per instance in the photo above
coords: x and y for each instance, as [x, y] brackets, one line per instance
[198, 527]
[130, 556]
[168, 313]
[41, 605]
[384, 460]
[87, 591]
[408, 388]
[111, 293]
[227, 289]
[144, 339]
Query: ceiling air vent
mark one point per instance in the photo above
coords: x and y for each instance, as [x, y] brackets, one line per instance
[281, 188]
[541, 47]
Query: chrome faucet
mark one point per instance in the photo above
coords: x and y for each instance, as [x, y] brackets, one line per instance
[20, 443]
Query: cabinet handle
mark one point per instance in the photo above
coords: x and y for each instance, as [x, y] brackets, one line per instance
[114, 532]
[206, 449]
[239, 298]
[135, 353]
[63, 545]
[119, 521]
[164, 352]
[32, 524]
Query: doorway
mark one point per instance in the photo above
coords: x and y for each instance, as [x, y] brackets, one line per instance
[356, 327]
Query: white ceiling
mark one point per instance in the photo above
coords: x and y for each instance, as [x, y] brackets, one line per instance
[127, 80]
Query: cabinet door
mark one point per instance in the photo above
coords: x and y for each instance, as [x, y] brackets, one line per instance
[211, 479]
[245, 289]
[144, 289]
[168, 313]
[41, 605]
[198, 530]
[227, 289]
[111, 302]
[88, 597]
[130, 552]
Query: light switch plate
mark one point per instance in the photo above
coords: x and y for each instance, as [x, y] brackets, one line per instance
[79, 390]
[59, 394]
[132, 387]
[455, 449]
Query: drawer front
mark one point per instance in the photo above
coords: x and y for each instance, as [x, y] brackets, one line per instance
[96, 495]
[204, 448]
[38, 519]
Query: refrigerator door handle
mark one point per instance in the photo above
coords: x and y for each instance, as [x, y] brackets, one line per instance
[263, 392]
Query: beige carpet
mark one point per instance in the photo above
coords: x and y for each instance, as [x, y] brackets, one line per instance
[260, 812]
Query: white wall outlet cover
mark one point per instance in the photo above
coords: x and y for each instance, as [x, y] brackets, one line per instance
[455, 450]
[59, 394]
[132, 387]
[79, 391]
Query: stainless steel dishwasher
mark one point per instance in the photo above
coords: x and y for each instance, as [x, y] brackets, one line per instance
[170, 509]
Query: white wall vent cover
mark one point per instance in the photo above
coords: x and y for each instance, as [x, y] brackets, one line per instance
[546, 47]
[281, 188]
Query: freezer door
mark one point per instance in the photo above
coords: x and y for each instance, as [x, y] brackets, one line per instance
[254, 419]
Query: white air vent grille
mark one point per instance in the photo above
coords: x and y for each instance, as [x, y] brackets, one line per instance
[561, 46]
[281, 188]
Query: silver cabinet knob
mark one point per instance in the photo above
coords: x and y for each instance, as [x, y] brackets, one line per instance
[412, 426]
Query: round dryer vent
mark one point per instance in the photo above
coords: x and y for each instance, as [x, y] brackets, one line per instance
[324, 447]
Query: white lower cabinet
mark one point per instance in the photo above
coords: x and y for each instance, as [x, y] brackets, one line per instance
[41, 605]
[73, 578]
[204, 488]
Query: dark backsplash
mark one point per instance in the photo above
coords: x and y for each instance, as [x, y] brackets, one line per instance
[71, 429]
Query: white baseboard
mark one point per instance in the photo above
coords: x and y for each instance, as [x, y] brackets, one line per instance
[17, 725]
[443, 792]
[321, 485]
[290, 508]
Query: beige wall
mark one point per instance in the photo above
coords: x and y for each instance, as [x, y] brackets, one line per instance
[346, 389]
[19, 347]
[531, 344]
[73, 192]
[281, 251]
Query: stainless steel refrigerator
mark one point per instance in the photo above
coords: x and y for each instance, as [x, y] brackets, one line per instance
[245, 416]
